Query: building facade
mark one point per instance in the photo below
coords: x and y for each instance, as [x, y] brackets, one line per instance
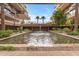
[12, 15]
[71, 10]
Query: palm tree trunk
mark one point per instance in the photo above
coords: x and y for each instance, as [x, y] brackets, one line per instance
[37, 21]
[76, 18]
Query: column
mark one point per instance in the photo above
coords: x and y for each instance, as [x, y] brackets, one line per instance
[76, 17]
[2, 17]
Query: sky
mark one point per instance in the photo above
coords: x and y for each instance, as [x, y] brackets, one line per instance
[40, 10]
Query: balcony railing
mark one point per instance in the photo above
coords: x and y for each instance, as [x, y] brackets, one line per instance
[8, 22]
[8, 13]
[21, 6]
[11, 23]
[9, 8]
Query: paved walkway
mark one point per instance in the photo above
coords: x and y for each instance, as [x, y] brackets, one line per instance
[39, 53]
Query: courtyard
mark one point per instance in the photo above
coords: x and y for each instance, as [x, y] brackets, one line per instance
[39, 29]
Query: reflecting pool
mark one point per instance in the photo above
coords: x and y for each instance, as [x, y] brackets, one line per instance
[40, 38]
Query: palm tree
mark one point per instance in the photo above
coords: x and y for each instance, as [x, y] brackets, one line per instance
[76, 17]
[43, 17]
[37, 17]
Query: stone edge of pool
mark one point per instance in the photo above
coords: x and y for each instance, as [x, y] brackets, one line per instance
[65, 35]
[55, 47]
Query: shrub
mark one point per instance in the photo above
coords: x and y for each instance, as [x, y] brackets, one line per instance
[15, 31]
[27, 30]
[66, 30]
[5, 33]
[10, 48]
[7, 48]
[73, 33]
[58, 30]
[32, 48]
[9, 31]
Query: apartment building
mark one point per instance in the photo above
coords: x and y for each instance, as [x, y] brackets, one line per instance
[71, 10]
[67, 8]
[12, 14]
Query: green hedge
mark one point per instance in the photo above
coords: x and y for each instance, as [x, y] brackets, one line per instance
[73, 33]
[7, 48]
[5, 33]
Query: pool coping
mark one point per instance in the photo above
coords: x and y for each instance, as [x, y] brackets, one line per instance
[54, 45]
[14, 35]
[65, 35]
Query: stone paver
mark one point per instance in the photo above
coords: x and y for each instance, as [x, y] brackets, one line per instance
[39, 53]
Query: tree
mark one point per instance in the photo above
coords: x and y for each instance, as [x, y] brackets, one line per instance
[59, 17]
[43, 18]
[69, 22]
[37, 17]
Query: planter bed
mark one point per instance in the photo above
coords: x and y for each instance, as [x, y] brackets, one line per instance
[64, 38]
[17, 38]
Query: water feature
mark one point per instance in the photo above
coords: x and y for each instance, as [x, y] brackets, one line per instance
[40, 38]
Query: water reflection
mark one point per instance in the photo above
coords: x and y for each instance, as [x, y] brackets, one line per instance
[40, 38]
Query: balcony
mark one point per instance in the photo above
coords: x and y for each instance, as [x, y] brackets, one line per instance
[63, 6]
[11, 23]
[23, 16]
[8, 13]
[18, 6]
[71, 14]
[7, 22]
[21, 6]
[9, 8]
[10, 16]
